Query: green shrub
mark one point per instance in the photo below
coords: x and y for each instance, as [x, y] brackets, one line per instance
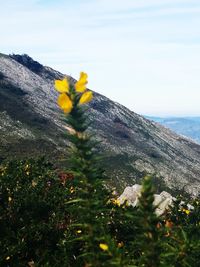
[33, 215]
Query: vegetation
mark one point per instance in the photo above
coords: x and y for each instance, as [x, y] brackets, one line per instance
[51, 217]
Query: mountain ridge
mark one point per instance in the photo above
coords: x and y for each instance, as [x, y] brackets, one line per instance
[186, 126]
[134, 146]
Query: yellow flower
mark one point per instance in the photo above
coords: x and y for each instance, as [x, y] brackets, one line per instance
[116, 202]
[65, 103]
[86, 97]
[8, 258]
[62, 86]
[9, 199]
[79, 231]
[81, 84]
[104, 247]
[186, 211]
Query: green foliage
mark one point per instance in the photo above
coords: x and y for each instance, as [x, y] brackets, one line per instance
[33, 213]
[71, 219]
[148, 234]
[88, 210]
[183, 243]
[61, 220]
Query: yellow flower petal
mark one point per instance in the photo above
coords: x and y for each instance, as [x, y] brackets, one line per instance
[86, 97]
[186, 211]
[104, 247]
[80, 86]
[65, 103]
[116, 202]
[83, 77]
[62, 86]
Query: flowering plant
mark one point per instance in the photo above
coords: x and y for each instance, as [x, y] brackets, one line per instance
[73, 95]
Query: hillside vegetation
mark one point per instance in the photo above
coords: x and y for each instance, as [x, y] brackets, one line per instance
[68, 216]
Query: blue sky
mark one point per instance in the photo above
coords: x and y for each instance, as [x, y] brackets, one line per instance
[144, 54]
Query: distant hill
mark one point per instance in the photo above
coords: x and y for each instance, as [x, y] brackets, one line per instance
[31, 125]
[187, 126]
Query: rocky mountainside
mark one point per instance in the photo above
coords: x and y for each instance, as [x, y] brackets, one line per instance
[31, 125]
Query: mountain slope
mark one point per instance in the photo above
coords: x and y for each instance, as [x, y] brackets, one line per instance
[31, 125]
[187, 126]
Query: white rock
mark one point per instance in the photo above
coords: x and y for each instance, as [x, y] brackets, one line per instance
[131, 195]
[162, 201]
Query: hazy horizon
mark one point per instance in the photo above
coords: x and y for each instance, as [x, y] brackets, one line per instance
[142, 54]
[171, 116]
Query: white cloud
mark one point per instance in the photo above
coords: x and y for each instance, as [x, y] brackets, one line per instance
[144, 54]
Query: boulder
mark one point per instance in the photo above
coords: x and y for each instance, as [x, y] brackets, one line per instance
[162, 201]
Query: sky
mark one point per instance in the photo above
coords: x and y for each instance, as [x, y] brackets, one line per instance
[144, 54]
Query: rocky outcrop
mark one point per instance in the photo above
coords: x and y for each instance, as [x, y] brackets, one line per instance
[162, 202]
[31, 124]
